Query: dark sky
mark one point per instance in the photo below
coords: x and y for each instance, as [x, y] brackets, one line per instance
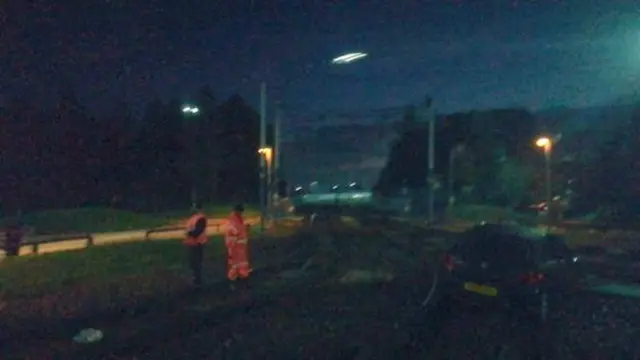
[468, 54]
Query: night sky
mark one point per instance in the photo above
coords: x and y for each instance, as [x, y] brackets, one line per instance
[468, 54]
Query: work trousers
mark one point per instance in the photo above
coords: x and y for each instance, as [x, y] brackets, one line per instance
[195, 254]
[237, 261]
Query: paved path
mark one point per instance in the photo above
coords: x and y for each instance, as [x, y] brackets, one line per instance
[216, 226]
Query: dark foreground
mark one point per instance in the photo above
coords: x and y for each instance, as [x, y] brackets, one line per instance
[300, 310]
[323, 320]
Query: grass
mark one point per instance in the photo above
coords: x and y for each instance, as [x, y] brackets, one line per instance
[34, 276]
[95, 220]
[38, 275]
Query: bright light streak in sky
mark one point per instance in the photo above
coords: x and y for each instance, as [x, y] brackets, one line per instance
[348, 58]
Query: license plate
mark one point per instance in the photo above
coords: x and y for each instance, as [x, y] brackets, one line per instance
[481, 289]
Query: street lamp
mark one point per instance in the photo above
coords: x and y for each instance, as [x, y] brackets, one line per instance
[191, 110]
[267, 153]
[267, 156]
[546, 144]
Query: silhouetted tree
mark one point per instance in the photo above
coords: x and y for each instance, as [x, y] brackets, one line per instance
[489, 139]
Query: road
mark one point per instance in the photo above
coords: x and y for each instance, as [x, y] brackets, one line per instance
[74, 243]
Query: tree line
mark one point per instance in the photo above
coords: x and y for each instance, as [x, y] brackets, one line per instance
[489, 157]
[63, 156]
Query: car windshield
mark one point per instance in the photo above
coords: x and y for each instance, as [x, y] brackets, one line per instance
[338, 151]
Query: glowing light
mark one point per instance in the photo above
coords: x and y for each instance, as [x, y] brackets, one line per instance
[187, 109]
[348, 58]
[543, 142]
[267, 152]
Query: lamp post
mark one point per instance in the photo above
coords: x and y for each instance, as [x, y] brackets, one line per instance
[263, 144]
[190, 111]
[267, 158]
[429, 115]
[453, 153]
[546, 144]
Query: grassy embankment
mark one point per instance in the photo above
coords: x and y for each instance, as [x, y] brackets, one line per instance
[96, 220]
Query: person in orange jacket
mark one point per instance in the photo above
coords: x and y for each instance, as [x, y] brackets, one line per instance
[196, 237]
[236, 240]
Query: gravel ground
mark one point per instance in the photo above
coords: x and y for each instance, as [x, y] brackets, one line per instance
[302, 311]
[357, 322]
[328, 322]
[598, 326]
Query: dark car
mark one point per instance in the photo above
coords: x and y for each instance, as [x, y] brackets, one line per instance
[507, 272]
[510, 269]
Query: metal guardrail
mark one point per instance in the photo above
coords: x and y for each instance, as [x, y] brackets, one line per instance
[148, 233]
[217, 226]
[35, 245]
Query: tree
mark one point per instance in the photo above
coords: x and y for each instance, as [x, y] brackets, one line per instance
[239, 134]
[208, 145]
[75, 161]
[409, 120]
[616, 172]
[114, 145]
[514, 182]
[160, 158]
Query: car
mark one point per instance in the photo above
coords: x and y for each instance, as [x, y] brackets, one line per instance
[507, 270]
[509, 267]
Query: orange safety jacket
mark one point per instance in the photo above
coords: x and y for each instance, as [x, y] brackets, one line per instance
[191, 225]
[236, 232]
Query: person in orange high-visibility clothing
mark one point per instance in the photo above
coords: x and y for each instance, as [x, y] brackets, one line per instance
[196, 237]
[236, 239]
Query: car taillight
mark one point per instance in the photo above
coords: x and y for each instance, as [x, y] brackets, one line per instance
[449, 263]
[532, 278]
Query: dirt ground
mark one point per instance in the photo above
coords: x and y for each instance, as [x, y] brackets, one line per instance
[340, 293]
[364, 321]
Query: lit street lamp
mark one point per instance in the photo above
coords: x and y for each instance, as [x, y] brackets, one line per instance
[191, 110]
[267, 153]
[188, 109]
[546, 144]
[267, 156]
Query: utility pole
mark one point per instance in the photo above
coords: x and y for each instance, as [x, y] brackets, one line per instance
[263, 144]
[276, 145]
[548, 194]
[453, 153]
[431, 165]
